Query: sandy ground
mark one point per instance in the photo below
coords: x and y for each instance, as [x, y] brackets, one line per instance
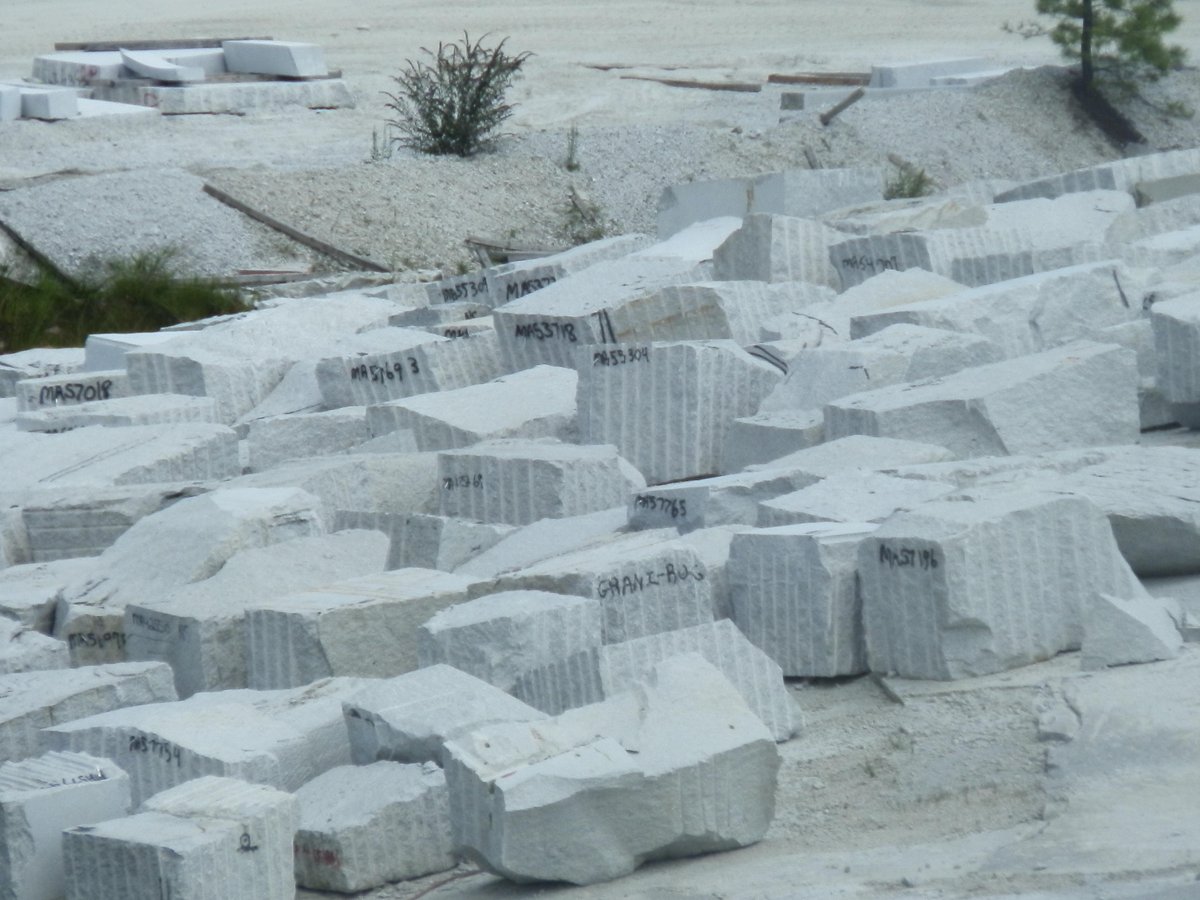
[893, 790]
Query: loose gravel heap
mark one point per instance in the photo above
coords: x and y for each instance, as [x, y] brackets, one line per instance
[141, 185]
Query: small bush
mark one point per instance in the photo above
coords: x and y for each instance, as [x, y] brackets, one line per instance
[453, 104]
[910, 181]
[137, 294]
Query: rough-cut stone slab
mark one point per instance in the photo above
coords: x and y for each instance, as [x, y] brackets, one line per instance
[278, 438]
[919, 74]
[1118, 631]
[608, 303]
[263, 57]
[499, 636]
[854, 496]
[363, 826]
[735, 310]
[268, 819]
[518, 482]
[897, 354]
[1120, 174]
[543, 540]
[612, 809]
[518, 279]
[409, 718]
[49, 103]
[37, 363]
[70, 388]
[1079, 395]
[154, 66]
[733, 499]
[146, 409]
[779, 248]
[957, 588]
[799, 192]
[424, 541]
[535, 403]
[35, 700]
[363, 626]
[38, 799]
[10, 102]
[200, 628]
[1026, 315]
[644, 584]
[1177, 340]
[186, 542]
[795, 594]
[24, 650]
[29, 593]
[277, 738]
[667, 406]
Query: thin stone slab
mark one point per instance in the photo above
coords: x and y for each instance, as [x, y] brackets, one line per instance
[957, 588]
[364, 826]
[145, 409]
[291, 59]
[852, 496]
[152, 65]
[188, 542]
[277, 738]
[40, 797]
[39, 362]
[363, 626]
[1026, 315]
[733, 499]
[779, 248]
[535, 403]
[608, 303]
[517, 279]
[614, 783]
[794, 592]
[410, 718]
[897, 354]
[499, 636]
[35, 700]
[644, 584]
[199, 629]
[667, 406]
[1078, 395]
[920, 74]
[518, 482]
[70, 388]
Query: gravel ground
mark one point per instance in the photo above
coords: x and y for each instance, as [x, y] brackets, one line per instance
[136, 184]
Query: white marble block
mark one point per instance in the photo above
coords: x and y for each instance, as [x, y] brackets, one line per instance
[410, 717]
[794, 592]
[274, 439]
[1077, 395]
[498, 637]
[1119, 631]
[1177, 342]
[38, 799]
[517, 482]
[291, 59]
[856, 495]
[23, 649]
[200, 628]
[668, 406]
[534, 403]
[145, 409]
[70, 389]
[35, 700]
[956, 588]
[614, 783]
[364, 626]
[364, 826]
[779, 248]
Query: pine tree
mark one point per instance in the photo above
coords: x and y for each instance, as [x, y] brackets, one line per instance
[1121, 41]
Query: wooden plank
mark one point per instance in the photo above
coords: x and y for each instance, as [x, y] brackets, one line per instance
[166, 44]
[739, 87]
[295, 234]
[827, 117]
[849, 79]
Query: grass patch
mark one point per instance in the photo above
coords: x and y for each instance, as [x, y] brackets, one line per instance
[141, 293]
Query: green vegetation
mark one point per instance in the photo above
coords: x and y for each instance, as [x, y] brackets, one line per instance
[142, 293]
[453, 104]
[910, 181]
[1117, 42]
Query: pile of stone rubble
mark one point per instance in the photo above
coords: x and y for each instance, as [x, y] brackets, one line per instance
[512, 566]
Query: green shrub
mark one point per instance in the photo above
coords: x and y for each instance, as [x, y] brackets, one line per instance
[141, 293]
[910, 181]
[453, 104]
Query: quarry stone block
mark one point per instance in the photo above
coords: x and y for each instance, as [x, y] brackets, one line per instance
[278, 438]
[363, 826]
[146, 409]
[779, 248]
[497, 637]
[1119, 631]
[365, 626]
[292, 59]
[952, 589]
[667, 406]
[410, 718]
[852, 496]
[70, 388]
[1078, 395]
